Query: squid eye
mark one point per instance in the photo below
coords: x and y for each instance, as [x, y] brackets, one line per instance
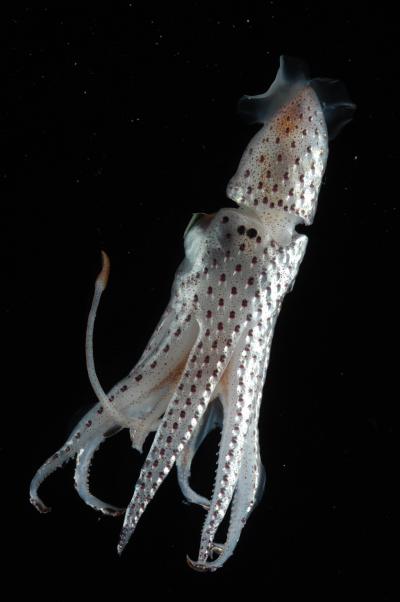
[241, 230]
[251, 233]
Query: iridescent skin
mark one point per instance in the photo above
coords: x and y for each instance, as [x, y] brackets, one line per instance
[205, 365]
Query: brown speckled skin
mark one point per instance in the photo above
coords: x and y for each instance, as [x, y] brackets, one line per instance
[210, 351]
[283, 164]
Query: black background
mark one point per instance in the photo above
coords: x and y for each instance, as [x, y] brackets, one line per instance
[115, 127]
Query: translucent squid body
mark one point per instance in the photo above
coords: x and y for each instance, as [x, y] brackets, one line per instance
[205, 365]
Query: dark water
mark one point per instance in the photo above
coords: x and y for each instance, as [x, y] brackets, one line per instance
[115, 129]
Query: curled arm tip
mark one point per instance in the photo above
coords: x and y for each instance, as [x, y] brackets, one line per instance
[39, 505]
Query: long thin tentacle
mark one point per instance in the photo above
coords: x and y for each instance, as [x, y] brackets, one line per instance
[93, 421]
[202, 373]
[100, 285]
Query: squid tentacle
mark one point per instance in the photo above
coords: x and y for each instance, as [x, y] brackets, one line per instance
[100, 285]
[199, 381]
[250, 482]
[132, 390]
[251, 479]
[211, 420]
[238, 409]
[248, 491]
[144, 409]
[81, 479]
[94, 423]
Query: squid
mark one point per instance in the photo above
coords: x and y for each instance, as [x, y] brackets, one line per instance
[205, 365]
